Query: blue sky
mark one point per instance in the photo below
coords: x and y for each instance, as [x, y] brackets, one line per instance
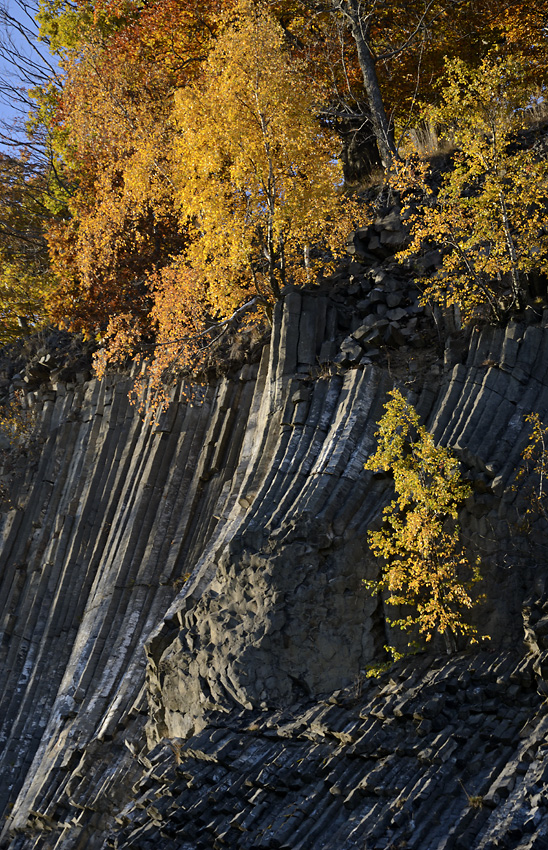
[20, 63]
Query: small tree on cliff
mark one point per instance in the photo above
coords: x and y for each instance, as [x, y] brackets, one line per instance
[423, 562]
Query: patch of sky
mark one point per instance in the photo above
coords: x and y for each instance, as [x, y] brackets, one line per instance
[25, 62]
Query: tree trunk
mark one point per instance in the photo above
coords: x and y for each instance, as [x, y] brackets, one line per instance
[511, 249]
[450, 642]
[381, 126]
[360, 152]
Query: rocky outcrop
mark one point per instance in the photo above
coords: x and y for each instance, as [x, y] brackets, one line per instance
[303, 537]
[230, 541]
[100, 536]
[440, 754]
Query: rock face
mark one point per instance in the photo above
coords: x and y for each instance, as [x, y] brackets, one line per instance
[284, 612]
[275, 604]
[435, 755]
[230, 542]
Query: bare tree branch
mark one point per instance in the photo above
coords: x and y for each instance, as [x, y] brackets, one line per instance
[25, 63]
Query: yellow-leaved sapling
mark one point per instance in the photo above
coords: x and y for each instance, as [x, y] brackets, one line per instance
[424, 565]
[535, 466]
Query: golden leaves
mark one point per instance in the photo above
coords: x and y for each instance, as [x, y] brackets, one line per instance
[256, 175]
[423, 559]
[487, 215]
[25, 280]
[24, 292]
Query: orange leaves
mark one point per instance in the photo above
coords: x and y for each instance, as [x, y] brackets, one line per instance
[123, 221]
[117, 149]
[180, 304]
[247, 175]
[519, 29]
[119, 343]
[100, 264]
[179, 315]
[174, 35]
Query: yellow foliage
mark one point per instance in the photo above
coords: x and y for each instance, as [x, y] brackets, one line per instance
[24, 291]
[489, 214]
[257, 188]
[256, 175]
[117, 138]
[423, 559]
[25, 279]
[179, 314]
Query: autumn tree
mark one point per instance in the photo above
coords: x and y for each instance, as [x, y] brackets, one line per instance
[257, 188]
[517, 29]
[153, 210]
[488, 214]
[116, 129]
[359, 39]
[111, 127]
[361, 21]
[424, 565]
[121, 217]
[256, 176]
[397, 49]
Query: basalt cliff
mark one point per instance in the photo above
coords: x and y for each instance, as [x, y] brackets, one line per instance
[184, 629]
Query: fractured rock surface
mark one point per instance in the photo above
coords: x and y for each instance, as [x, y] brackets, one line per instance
[436, 754]
[230, 541]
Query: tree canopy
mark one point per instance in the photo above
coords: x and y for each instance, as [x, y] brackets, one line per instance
[251, 160]
[184, 159]
[488, 214]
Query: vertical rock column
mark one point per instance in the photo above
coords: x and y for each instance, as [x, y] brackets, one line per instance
[108, 527]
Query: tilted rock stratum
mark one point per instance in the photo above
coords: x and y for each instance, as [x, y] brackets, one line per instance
[203, 576]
